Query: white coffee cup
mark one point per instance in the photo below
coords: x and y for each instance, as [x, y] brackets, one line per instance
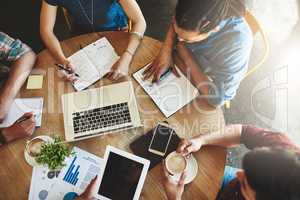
[176, 164]
[33, 147]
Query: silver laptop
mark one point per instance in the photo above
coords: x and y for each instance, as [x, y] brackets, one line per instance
[100, 111]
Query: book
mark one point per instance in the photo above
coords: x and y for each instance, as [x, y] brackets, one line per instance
[93, 62]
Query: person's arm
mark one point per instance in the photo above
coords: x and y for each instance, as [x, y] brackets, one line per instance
[173, 189]
[19, 71]
[47, 22]
[164, 58]
[255, 137]
[229, 137]
[134, 14]
[18, 129]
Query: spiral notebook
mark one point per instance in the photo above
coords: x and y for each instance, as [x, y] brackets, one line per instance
[93, 62]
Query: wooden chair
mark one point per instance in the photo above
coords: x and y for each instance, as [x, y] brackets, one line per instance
[67, 18]
[256, 29]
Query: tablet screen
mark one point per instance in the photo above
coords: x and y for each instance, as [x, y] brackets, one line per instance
[120, 178]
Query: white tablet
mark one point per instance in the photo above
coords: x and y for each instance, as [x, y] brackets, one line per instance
[123, 175]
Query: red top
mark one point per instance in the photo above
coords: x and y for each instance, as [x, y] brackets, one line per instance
[254, 137]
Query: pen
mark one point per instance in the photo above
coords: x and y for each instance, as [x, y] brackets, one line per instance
[165, 74]
[24, 118]
[65, 69]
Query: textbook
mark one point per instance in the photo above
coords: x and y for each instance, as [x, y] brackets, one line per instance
[93, 62]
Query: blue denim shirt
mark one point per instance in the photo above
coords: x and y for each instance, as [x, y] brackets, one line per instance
[106, 15]
[224, 57]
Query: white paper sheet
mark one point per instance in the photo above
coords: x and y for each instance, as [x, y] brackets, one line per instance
[170, 94]
[22, 106]
[42, 181]
[76, 175]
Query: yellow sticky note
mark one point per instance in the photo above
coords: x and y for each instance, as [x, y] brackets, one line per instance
[35, 82]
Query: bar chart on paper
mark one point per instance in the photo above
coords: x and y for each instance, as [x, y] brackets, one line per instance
[72, 173]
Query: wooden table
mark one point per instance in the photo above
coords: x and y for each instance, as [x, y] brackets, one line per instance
[195, 118]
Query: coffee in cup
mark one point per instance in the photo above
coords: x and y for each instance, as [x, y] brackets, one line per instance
[176, 163]
[33, 147]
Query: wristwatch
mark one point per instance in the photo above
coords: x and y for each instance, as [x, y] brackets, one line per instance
[2, 138]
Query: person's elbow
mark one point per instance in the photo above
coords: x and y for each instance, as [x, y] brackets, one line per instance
[143, 25]
[32, 56]
[140, 24]
[45, 33]
[29, 58]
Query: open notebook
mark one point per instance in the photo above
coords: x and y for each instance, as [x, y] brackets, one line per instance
[93, 62]
[170, 94]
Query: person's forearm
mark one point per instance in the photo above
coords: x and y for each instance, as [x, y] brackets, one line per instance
[20, 69]
[53, 45]
[229, 137]
[168, 44]
[134, 40]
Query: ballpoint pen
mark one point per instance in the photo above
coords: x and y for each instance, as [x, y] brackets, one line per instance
[60, 66]
[24, 118]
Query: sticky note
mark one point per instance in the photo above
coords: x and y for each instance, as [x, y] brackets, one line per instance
[35, 82]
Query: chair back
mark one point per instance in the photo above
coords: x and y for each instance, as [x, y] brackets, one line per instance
[256, 29]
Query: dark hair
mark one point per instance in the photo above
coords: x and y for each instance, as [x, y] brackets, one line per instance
[205, 15]
[273, 173]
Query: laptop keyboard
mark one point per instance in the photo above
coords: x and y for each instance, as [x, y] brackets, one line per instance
[98, 118]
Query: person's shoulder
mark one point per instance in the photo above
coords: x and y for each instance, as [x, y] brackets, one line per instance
[5, 40]
[238, 31]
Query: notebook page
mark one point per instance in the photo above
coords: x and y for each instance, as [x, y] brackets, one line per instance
[88, 74]
[102, 54]
[21, 106]
[170, 94]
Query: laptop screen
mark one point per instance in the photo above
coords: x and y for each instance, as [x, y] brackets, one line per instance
[120, 178]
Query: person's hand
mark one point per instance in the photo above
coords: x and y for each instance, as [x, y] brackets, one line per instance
[89, 192]
[120, 68]
[20, 129]
[173, 189]
[187, 147]
[161, 64]
[65, 75]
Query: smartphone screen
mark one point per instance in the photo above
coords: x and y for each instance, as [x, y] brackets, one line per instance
[161, 138]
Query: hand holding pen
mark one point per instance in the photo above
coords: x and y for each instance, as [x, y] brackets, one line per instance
[67, 71]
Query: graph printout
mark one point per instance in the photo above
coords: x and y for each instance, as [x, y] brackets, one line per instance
[80, 169]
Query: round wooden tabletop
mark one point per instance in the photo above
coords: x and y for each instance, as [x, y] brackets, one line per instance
[195, 118]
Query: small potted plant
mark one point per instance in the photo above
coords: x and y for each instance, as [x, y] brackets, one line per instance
[53, 153]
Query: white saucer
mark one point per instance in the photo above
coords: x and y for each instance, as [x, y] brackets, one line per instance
[192, 170]
[31, 160]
